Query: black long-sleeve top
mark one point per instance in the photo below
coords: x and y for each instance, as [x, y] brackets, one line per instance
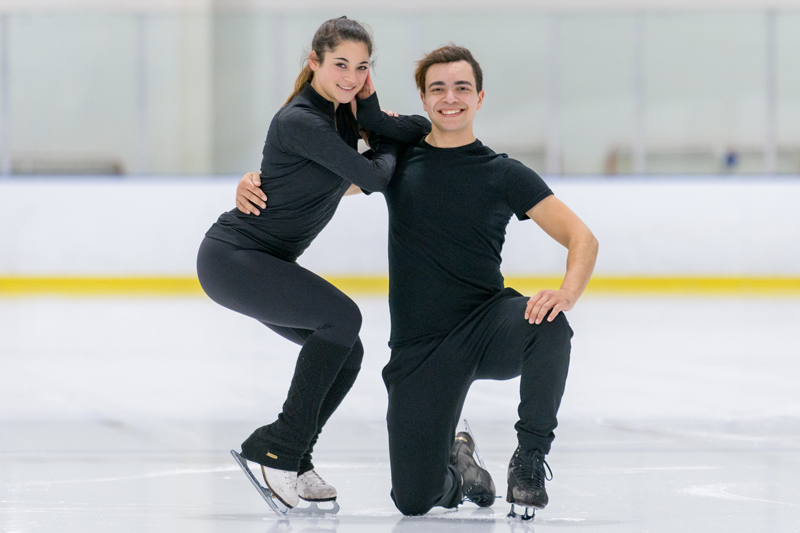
[310, 160]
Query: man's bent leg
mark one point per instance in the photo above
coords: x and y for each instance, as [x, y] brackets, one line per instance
[537, 352]
[540, 353]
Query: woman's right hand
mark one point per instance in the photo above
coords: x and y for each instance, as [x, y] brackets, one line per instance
[367, 90]
[249, 194]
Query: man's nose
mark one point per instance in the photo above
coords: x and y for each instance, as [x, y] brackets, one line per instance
[451, 96]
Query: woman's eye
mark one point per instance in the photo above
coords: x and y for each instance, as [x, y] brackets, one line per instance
[362, 68]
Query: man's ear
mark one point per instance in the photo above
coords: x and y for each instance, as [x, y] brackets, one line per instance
[480, 100]
[313, 61]
[424, 105]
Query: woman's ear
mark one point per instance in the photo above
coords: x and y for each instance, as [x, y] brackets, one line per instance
[313, 61]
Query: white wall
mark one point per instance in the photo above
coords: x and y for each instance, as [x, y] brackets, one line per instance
[666, 226]
[191, 88]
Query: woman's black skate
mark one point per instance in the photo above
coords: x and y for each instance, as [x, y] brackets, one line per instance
[526, 477]
[476, 483]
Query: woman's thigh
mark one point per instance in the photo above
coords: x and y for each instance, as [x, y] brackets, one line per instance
[276, 292]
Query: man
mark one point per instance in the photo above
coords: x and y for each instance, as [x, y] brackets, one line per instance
[452, 319]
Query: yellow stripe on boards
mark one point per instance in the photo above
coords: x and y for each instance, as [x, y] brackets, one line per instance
[706, 285]
[100, 286]
[23, 286]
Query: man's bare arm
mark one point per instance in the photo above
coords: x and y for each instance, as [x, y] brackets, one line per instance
[564, 226]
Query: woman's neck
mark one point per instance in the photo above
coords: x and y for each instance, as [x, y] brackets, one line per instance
[320, 91]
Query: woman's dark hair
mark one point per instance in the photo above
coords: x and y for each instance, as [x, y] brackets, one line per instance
[447, 54]
[329, 36]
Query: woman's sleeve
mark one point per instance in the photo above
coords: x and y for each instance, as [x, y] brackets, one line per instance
[406, 129]
[311, 136]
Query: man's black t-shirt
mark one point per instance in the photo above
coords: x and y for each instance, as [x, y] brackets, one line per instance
[448, 212]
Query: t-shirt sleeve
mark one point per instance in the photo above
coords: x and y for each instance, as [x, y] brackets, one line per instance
[524, 188]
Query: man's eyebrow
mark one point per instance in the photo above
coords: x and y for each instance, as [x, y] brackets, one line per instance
[460, 82]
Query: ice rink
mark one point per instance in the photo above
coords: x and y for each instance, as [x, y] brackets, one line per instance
[681, 414]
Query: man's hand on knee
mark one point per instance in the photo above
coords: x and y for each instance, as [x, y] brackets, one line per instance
[549, 301]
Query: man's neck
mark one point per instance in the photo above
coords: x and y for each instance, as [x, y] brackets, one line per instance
[450, 139]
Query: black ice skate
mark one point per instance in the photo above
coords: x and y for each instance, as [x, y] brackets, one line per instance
[476, 483]
[526, 477]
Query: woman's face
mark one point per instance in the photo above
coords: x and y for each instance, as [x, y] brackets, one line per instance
[343, 72]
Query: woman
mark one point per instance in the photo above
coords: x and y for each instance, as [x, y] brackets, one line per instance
[247, 263]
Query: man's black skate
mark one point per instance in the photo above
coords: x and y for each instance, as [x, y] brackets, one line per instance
[526, 477]
[476, 483]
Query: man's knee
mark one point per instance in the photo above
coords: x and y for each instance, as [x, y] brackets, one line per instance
[558, 331]
[413, 503]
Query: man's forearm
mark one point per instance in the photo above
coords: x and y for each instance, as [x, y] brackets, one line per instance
[580, 263]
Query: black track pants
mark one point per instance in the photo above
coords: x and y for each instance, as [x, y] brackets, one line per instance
[428, 381]
[306, 309]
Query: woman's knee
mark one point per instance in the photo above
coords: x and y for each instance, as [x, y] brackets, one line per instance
[344, 323]
[353, 361]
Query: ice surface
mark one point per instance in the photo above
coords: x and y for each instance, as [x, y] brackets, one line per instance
[118, 414]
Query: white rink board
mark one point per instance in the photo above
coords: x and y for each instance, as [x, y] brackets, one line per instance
[646, 226]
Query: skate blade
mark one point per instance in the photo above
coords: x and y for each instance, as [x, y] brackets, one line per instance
[314, 509]
[274, 503]
[476, 451]
[524, 517]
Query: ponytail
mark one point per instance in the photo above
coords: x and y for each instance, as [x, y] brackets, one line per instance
[305, 77]
[329, 36]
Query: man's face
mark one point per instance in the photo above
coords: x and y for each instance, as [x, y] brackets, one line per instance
[451, 98]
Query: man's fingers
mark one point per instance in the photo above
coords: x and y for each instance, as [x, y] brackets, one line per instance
[255, 199]
[241, 207]
[531, 302]
[546, 306]
[254, 178]
[534, 314]
[554, 313]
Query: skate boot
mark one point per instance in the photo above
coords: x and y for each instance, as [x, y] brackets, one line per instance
[526, 477]
[476, 483]
[283, 484]
[312, 488]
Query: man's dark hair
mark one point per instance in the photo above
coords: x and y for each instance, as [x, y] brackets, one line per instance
[447, 54]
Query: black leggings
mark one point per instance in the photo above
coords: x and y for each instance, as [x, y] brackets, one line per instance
[428, 383]
[305, 309]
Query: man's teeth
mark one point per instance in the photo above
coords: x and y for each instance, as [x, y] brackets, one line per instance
[451, 112]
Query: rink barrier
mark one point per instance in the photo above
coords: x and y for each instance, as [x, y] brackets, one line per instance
[24, 286]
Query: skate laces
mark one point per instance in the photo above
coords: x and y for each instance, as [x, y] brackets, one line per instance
[314, 479]
[534, 469]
